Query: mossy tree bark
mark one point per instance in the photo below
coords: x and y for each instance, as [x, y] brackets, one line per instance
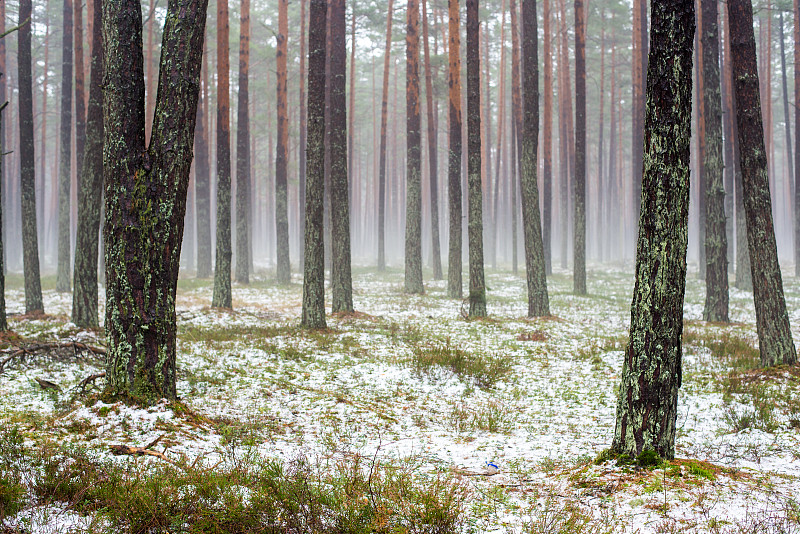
[202, 181]
[454, 279]
[30, 242]
[579, 193]
[341, 278]
[413, 242]
[242, 273]
[716, 239]
[65, 156]
[283, 268]
[221, 297]
[535, 265]
[477, 286]
[772, 322]
[314, 265]
[90, 185]
[145, 190]
[651, 373]
[382, 150]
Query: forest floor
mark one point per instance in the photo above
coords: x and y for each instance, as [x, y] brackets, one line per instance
[403, 417]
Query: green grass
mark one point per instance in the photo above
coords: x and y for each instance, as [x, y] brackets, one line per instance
[484, 370]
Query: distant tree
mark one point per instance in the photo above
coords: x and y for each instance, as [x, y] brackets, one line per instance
[639, 75]
[30, 246]
[454, 281]
[651, 372]
[413, 244]
[3, 320]
[797, 138]
[538, 300]
[382, 154]
[301, 151]
[65, 165]
[772, 322]
[221, 297]
[547, 150]
[90, 186]
[314, 265]
[516, 129]
[202, 180]
[283, 268]
[145, 189]
[341, 279]
[242, 273]
[579, 245]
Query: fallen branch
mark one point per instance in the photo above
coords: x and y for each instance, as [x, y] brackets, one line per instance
[127, 450]
[22, 351]
[90, 379]
[46, 384]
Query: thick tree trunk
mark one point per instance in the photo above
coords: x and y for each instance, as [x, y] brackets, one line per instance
[283, 267]
[433, 157]
[477, 286]
[341, 278]
[243, 259]
[65, 157]
[772, 321]
[579, 245]
[413, 241]
[538, 300]
[221, 297]
[202, 181]
[382, 163]
[716, 242]
[454, 280]
[90, 186]
[146, 193]
[314, 266]
[651, 374]
[30, 247]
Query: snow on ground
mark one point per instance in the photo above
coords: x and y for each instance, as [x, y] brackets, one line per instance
[254, 381]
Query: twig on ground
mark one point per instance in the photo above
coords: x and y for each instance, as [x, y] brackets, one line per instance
[22, 351]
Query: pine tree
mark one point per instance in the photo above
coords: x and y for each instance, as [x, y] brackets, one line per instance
[454, 280]
[413, 242]
[65, 165]
[579, 245]
[283, 267]
[243, 259]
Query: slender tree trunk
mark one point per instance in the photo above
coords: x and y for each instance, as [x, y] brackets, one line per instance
[516, 111]
[454, 281]
[314, 266]
[579, 245]
[221, 297]
[639, 65]
[243, 259]
[772, 321]
[65, 166]
[353, 189]
[301, 150]
[202, 180]
[3, 105]
[283, 266]
[727, 134]
[413, 242]
[547, 150]
[30, 247]
[146, 193]
[612, 156]
[80, 92]
[602, 187]
[382, 164]
[501, 105]
[702, 186]
[84, 298]
[566, 134]
[341, 278]
[651, 374]
[433, 157]
[797, 138]
[787, 122]
[42, 217]
[716, 243]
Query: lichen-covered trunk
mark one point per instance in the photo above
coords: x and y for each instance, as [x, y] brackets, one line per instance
[454, 195]
[716, 240]
[772, 322]
[90, 186]
[243, 260]
[314, 265]
[27, 163]
[282, 267]
[65, 155]
[538, 300]
[477, 286]
[579, 185]
[651, 373]
[202, 182]
[341, 278]
[221, 297]
[145, 190]
[382, 150]
[413, 241]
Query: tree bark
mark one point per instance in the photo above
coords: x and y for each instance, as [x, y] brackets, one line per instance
[65, 157]
[602, 188]
[221, 297]
[433, 157]
[797, 138]
[146, 192]
[243, 196]
[382, 163]
[301, 151]
[314, 266]
[202, 180]
[639, 65]
[3, 105]
[283, 267]
[579, 243]
[516, 111]
[651, 374]
[454, 195]
[84, 298]
[413, 240]
[772, 322]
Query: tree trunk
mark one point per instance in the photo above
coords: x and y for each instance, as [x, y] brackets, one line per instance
[413, 238]
[30, 247]
[700, 115]
[221, 297]
[651, 374]
[382, 164]
[516, 111]
[579, 244]
[602, 188]
[242, 273]
[727, 134]
[146, 193]
[716, 242]
[797, 138]
[787, 122]
[84, 298]
[283, 266]
[547, 150]
[202, 181]
[433, 158]
[501, 105]
[639, 66]
[314, 266]
[565, 134]
[3, 105]
[538, 300]
[65, 165]
[772, 321]
[341, 278]
[454, 281]
[301, 151]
